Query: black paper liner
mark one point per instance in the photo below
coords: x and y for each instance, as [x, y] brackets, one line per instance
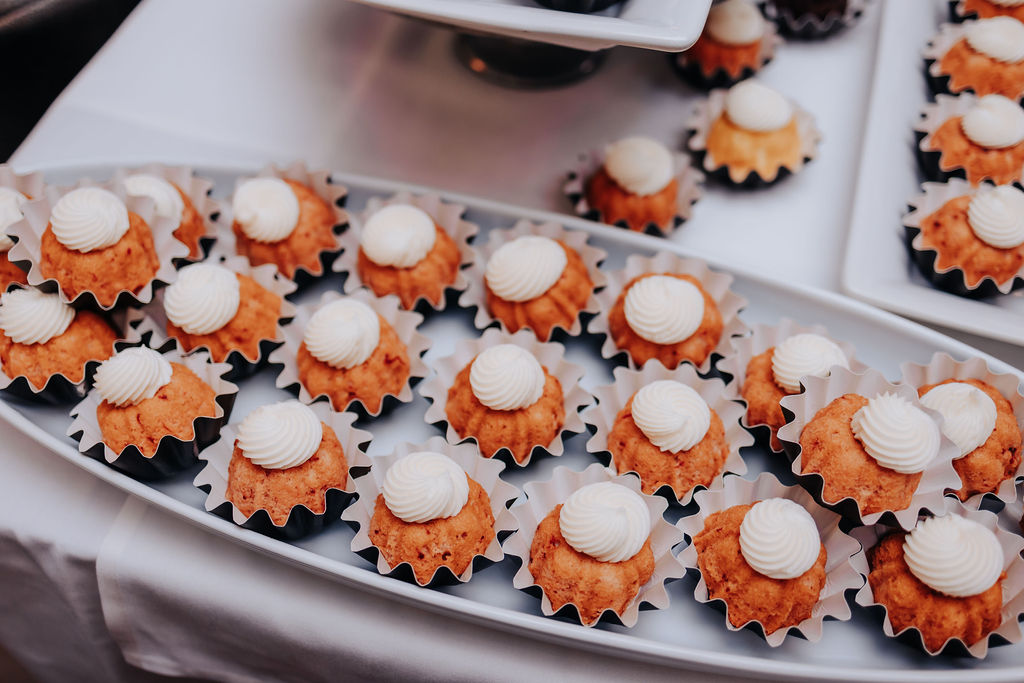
[694, 74]
[952, 281]
[811, 27]
[579, 6]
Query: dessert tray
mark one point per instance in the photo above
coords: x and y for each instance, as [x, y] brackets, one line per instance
[668, 25]
[877, 267]
[686, 634]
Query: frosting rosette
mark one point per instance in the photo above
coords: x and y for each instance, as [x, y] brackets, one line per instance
[266, 209]
[11, 203]
[203, 299]
[756, 107]
[506, 377]
[606, 521]
[1001, 38]
[639, 165]
[896, 433]
[525, 268]
[802, 355]
[779, 539]
[994, 122]
[996, 216]
[89, 218]
[131, 376]
[954, 555]
[280, 435]
[29, 316]
[735, 22]
[424, 486]
[671, 415]
[343, 333]
[664, 309]
[399, 235]
[968, 413]
[165, 196]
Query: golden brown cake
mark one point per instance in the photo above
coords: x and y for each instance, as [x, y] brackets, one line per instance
[999, 165]
[763, 394]
[986, 9]
[745, 151]
[712, 55]
[569, 576]
[618, 204]
[170, 412]
[750, 595]
[971, 70]
[251, 487]
[192, 226]
[255, 321]
[427, 279]
[10, 274]
[87, 338]
[910, 603]
[696, 348]
[450, 542]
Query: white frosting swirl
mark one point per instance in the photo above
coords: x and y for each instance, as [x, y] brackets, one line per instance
[425, 486]
[968, 413]
[398, 235]
[131, 376]
[995, 122]
[641, 166]
[343, 333]
[266, 209]
[164, 195]
[88, 219]
[29, 316]
[203, 299]
[1001, 38]
[664, 309]
[753, 106]
[671, 415]
[11, 203]
[779, 539]
[506, 377]
[735, 22]
[606, 521]
[896, 433]
[280, 435]
[805, 355]
[996, 216]
[954, 555]
[525, 268]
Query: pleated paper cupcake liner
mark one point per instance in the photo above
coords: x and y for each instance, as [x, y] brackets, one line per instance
[483, 471]
[840, 573]
[711, 109]
[938, 477]
[476, 294]
[942, 367]
[763, 338]
[810, 25]
[31, 185]
[540, 497]
[589, 163]
[302, 521]
[612, 398]
[1008, 630]
[697, 74]
[405, 324]
[151, 321]
[551, 356]
[448, 216]
[717, 285]
[172, 454]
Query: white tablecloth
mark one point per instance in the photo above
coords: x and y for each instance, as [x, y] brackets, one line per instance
[90, 575]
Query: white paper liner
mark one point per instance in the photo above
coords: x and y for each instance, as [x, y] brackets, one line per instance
[84, 413]
[476, 293]
[763, 338]
[404, 323]
[28, 234]
[483, 471]
[217, 460]
[589, 163]
[810, 25]
[195, 187]
[318, 181]
[924, 205]
[942, 367]
[717, 285]
[709, 110]
[551, 355]
[540, 497]
[840, 574]
[446, 215]
[153, 318]
[32, 185]
[820, 391]
[612, 398]
[1013, 584]
[769, 43]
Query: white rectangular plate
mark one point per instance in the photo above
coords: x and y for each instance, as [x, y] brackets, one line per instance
[687, 633]
[878, 267]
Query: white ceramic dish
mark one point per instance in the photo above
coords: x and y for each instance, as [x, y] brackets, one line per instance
[668, 25]
[687, 634]
[877, 267]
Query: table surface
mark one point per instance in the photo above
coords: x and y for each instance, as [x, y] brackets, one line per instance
[244, 82]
